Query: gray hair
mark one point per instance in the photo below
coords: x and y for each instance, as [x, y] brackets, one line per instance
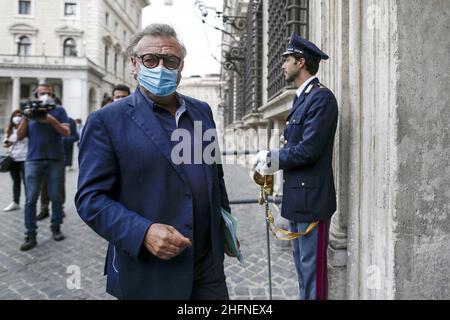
[155, 30]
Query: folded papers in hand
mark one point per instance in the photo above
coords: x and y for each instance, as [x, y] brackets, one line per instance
[230, 234]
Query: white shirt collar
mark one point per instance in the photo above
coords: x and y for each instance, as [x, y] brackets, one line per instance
[182, 109]
[303, 86]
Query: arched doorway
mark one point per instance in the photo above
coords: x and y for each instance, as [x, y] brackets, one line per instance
[93, 103]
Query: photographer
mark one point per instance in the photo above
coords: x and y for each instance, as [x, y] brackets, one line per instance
[45, 159]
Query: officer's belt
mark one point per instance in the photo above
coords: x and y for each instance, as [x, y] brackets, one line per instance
[266, 184]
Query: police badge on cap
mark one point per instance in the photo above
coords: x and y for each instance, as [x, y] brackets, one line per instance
[300, 45]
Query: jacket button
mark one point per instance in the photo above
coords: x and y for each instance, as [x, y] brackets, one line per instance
[188, 195]
[285, 142]
[303, 184]
[287, 123]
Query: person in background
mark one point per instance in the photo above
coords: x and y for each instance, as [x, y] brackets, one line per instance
[45, 202]
[68, 161]
[69, 142]
[18, 150]
[106, 100]
[45, 161]
[79, 124]
[120, 91]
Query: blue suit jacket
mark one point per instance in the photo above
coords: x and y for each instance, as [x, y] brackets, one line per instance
[308, 191]
[127, 181]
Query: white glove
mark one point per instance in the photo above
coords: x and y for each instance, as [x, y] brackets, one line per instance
[269, 163]
[261, 157]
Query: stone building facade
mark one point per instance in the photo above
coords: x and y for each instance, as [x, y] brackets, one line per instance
[390, 237]
[77, 46]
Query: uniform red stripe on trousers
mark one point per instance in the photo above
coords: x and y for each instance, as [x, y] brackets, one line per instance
[325, 263]
[321, 262]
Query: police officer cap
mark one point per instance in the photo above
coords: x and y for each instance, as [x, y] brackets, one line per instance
[298, 44]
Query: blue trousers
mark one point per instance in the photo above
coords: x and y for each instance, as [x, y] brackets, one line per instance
[206, 286]
[53, 173]
[310, 257]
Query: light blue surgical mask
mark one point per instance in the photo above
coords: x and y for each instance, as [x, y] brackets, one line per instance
[159, 81]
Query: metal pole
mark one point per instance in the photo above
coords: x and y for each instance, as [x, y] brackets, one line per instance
[266, 202]
[274, 200]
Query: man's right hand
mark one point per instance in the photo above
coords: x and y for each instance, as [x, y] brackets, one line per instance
[164, 241]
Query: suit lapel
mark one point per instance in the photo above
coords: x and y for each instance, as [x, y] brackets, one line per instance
[142, 115]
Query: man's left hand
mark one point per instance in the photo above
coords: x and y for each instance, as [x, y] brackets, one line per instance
[228, 252]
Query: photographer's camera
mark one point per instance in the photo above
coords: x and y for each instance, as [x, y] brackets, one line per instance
[36, 109]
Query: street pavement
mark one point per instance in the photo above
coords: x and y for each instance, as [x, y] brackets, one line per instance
[73, 268]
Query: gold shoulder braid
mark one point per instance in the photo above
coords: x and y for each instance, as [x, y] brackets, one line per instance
[266, 184]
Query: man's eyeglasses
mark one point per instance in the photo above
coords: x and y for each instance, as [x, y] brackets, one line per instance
[151, 60]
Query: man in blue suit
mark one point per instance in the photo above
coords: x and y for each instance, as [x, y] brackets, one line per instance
[306, 160]
[161, 217]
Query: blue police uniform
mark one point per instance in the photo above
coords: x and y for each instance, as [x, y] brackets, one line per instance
[306, 160]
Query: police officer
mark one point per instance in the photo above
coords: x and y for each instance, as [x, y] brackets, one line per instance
[306, 160]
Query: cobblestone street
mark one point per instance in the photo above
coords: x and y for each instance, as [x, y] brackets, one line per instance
[42, 273]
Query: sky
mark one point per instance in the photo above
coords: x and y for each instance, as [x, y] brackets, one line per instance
[200, 40]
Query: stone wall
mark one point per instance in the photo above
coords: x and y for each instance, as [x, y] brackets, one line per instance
[422, 247]
[390, 237]
[388, 69]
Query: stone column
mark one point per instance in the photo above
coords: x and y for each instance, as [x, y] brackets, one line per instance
[331, 34]
[353, 270]
[75, 97]
[422, 197]
[57, 90]
[15, 94]
[66, 92]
